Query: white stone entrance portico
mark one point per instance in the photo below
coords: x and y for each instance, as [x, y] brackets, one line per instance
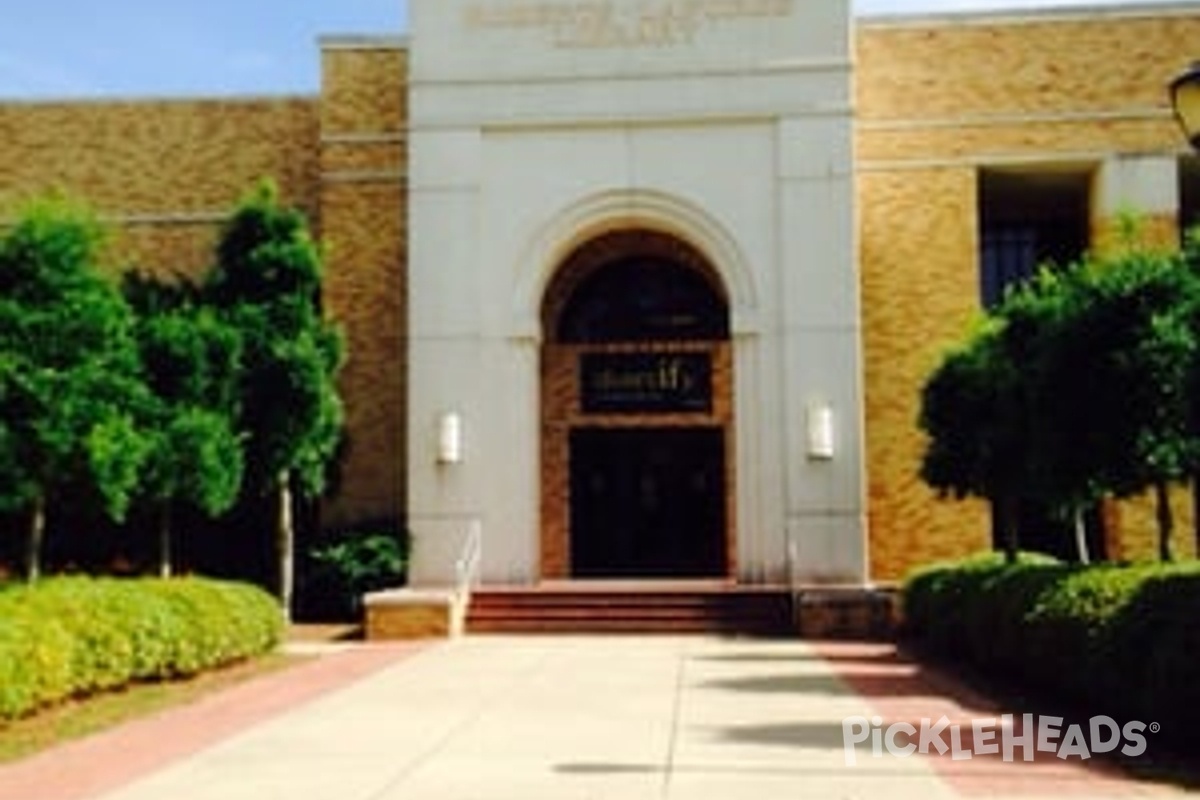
[537, 127]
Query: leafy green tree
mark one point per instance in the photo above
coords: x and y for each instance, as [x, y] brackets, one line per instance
[1145, 319]
[69, 381]
[267, 283]
[1082, 385]
[1060, 366]
[972, 410]
[191, 359]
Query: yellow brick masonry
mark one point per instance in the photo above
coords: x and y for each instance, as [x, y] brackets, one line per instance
[164, 172]
[935, 102]
[919, 290]
[943, 68]
[363, 223]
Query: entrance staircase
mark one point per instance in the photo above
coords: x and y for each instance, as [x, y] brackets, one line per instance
[715, 607]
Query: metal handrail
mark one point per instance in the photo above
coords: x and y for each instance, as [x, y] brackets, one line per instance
[466, 568]
[793, 569]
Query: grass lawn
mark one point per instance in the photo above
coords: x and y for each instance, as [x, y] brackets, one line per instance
[79, 718]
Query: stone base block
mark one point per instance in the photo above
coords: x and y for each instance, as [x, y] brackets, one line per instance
[852, 612]
[413, 614]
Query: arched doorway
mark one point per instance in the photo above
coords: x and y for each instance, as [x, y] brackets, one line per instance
[637, 413]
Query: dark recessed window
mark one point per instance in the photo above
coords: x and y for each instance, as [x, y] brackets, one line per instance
[643, 299]
[1027, 220]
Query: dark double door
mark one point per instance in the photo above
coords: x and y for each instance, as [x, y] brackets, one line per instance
[647, 502]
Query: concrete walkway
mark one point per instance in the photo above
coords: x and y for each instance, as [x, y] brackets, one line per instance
[522, 718]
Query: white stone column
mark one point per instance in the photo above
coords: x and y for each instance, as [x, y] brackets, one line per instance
[1137, 183]
[821, 347]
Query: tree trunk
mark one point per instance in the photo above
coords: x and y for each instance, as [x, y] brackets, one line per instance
[164, 541]
[1166, 522]
[37, 535]
[1081, 543]
[285, 543]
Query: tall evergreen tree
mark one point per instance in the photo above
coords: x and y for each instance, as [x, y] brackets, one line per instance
[267, 284]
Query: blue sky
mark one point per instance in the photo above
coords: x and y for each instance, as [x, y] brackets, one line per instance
[81, 48]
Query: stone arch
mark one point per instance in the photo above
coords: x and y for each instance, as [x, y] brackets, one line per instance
[631, 262]
[593, 217]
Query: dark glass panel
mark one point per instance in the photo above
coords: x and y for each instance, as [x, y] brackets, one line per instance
[643, 299]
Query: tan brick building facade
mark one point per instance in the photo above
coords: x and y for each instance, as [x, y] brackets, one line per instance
[945, 107]
[941, 100]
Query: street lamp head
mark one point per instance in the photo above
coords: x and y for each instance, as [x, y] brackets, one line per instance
[1185, 99]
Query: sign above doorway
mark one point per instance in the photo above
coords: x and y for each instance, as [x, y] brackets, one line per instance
[639, 383]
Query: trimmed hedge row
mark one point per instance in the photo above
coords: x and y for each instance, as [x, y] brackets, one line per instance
[1117, 640]
[67, 637]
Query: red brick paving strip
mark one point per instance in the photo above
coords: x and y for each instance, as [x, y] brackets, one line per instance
[94, 765]
[901, 690]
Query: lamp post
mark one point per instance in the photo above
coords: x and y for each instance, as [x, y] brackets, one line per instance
[1185, 99]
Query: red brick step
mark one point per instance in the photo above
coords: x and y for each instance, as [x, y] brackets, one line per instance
[621, 607]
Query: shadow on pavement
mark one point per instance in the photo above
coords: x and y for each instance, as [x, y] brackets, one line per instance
[906, 689]
[809, 735]
[880, 653]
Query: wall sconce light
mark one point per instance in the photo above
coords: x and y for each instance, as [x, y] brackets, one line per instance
[449, 442]
[820, 432]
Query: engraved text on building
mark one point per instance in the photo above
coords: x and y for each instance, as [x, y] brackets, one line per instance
[604, 24]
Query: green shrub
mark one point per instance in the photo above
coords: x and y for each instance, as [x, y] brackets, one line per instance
[35, 664]
[1119, 640]
[965, 605]
[1161, 636]
[340, 571]
[67, 637]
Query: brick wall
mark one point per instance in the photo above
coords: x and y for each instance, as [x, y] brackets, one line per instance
[1045, 64]
[165, 173]
[919, 294]
[363, 224]
[936, 102]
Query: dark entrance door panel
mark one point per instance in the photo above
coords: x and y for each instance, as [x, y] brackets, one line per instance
[647, 502]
